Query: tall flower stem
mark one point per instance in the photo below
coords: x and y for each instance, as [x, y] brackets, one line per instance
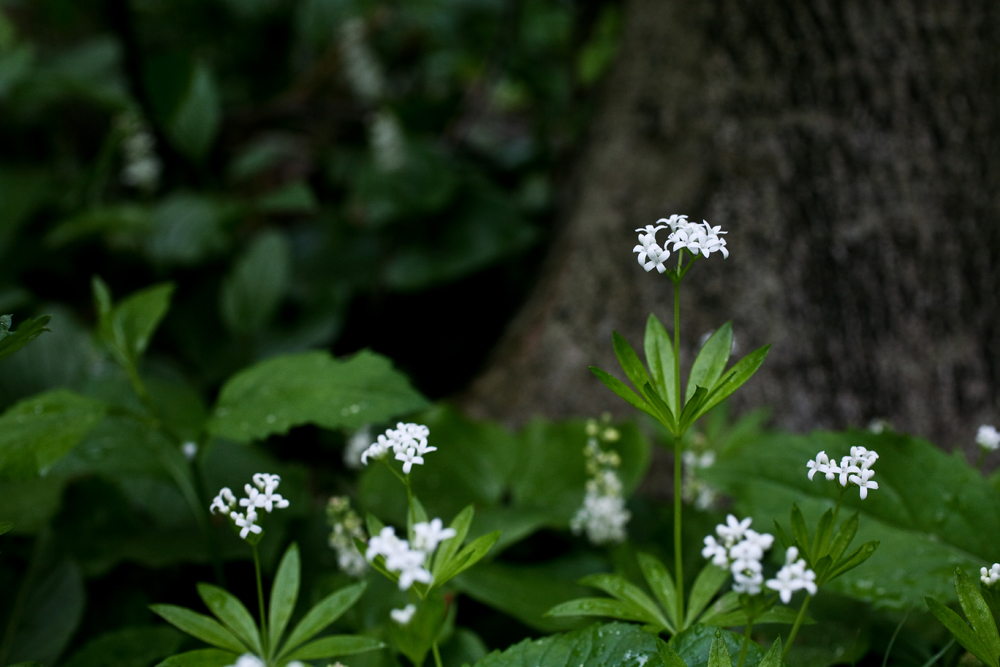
[678, 552]
[746, 643]
[795, 627]
[260, 599]
[437, 655]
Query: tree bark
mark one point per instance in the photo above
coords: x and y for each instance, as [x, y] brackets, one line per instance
[851, 148]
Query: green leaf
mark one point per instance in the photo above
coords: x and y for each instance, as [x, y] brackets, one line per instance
[328, 647]
[312, 387]
[5, 527]
[474, 552]
[705, 587]
[784, 615]
[978, 613]
[693, 407]
[128, 327]
[187, 228]
[118, 223]
[801, 532]
[29, 330]
[38, 431]
[619, 387]
[773, 656]
[662, 411]
[52, 611]
[718, 654]
[660, 358]
[694, 645]
[620, 588]
[711, 360]
[128, 647]
[195, 121]
[629, 361]
[328, 610]
[668, 655]
[723, 610]
[661, 583]
[611, 645]
[844, 537]
[206, 657]
[733, 379]
[233, 614]
[859, 556]
[257, 283]
[962, 632]
[200, 626]
[415, 639]
[295, 197]
[824, 531]
[447, 549]
[606, 607]
[284, 593]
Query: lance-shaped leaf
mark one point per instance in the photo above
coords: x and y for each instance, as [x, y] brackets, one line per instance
[859, 556]
[206, 657]
[620, 588]
[228, 609]
[718, 654]
[969, 640]
[30, 329]
[328, 610]
[660, 358]
[474, 552]
[128, 327]
[284, 593]
[706, 585]
[446, 550]
[629, 361]
[336, 645]
[607, 608]
[978, 613]
[620, 388]
[732, 380]
[200, 626]
[662, 411]
[711, 360]
[661, 583]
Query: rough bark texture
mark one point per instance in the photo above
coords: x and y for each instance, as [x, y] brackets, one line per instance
[851, 148]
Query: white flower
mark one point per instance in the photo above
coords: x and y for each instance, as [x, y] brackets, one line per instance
[252, 496]
[387, 141]
[357, 444]
[189, 450]
[427, 535]
[698, 238]
[862, 480]
[651, 255]
[399, 557]
[747, 583]
[820, 464]
[403, 616]
[385, 544]
[414, 573]
[846, 468]
[225, 502]
[377, 449]
[268, 500]
[246, 524]
[409, 457]
[249, 660]
[987, 437]
[603, 517]
[673, 222]
[793, 576]
[716, 552]
[265, 481]
[990, 576]
[733, 530]
[361, 66]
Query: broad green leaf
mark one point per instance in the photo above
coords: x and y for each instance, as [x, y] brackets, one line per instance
[773, 656]
[312, 387]
[233, 614]
[695, 644]
[52, 611]
[621, 610]
[186, 228]
[705, 587]
[630, 362]
[200, 626]
[845, 535]
[660, 358]
[337, 645]
[328, 610]
[801, 532]
[619, 387]
[195, 120]
[711, 360]
[661, 583]
[206, 657]
[718, 654]
[969, 640]
[733, 379]
[611, 645]
[978, 613]
[619, 587]
[123, 222]
[447, 549]
[128, 647]
[126, 328]
[284, 593]
[257, 283]
[38, 431]
[29, 330]
[931, 512]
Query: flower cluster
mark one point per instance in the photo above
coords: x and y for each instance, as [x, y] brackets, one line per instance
[403, 616]
[740, 550]
[346, 526]
[407, 441]
[693, 488]
[250, 660]
[141, 167]
[988, 437]
[854, 469]
[405, 559]
[793, 576]
[990, 576]
[603, 515]
[260, 495]
[698, 238]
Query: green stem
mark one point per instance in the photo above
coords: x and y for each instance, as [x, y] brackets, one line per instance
[746, 643]
[260, 599]
[437, 655]
[678, 551]
[795, 627]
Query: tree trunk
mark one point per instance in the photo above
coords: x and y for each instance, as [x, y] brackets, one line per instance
[851, 149]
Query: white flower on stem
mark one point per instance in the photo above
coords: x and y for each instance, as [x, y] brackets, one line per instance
[252, 496]
[820, 464]
[651, 255]
[399, 557]
[414, 573]
[741, 550]
[266, 481]
[269, 500]
[247, 524]
[377, 449]
[846, 468]
[715, 552]
[733, 530]
[990, 576]
[385, 544]
[189, 450]
[249, 660]
[414, 432]
[224, 503]
[988, 437]
[673, 222]
[428, 535]
[863, 480]
[409, 457]
[403, 616]
[747, 582]
[793, 576]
